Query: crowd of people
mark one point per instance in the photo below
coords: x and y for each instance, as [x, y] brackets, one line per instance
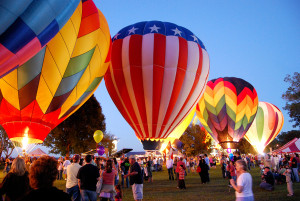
[88, 178]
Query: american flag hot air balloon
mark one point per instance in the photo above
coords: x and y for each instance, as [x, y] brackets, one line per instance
[157, 75]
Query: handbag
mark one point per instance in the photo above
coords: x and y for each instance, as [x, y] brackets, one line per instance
[198, 169]
[99, 185]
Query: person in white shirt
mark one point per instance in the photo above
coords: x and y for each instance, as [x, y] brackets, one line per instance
[243, 188]
[72, 181]
[169, 165]
[65, 165]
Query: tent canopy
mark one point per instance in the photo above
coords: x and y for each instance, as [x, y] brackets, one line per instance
[290, 147]
[37, 152]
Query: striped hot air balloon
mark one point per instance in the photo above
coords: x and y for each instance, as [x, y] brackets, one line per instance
[157, 75]
[44, 91]
[227, 109]
[265, 127]
[26, 26]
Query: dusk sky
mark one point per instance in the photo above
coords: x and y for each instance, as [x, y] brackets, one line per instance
[256, 41]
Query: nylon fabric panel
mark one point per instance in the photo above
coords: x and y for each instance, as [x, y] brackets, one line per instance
[31, 69]
[159, 58]
[179, 77]
[147, 67]
[9, 12]
[111, 84]
[38, 15]
[126, 66]
[171, 62]
[120, 87]
[136, 72]
[10, 94]
[195, 58]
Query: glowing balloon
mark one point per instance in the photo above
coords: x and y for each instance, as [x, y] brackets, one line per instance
[265, 127]
[98, 136]
[44, 91]
[157, 75]
[227, 109]
[26, 26]
[179, 130]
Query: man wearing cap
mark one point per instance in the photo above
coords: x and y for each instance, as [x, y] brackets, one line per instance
[268, 180]
[136, 179]
[72, 181]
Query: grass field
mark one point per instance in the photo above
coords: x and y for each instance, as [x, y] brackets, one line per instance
[164, 190]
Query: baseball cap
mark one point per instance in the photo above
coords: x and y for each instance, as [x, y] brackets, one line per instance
[76, 158]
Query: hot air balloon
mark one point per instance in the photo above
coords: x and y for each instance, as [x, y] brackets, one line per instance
[265, 127]
[227, 109]
[179, 130]
[52, 85]
[27, 26]
[157, 74]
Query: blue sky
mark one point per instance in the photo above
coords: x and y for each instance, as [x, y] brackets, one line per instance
[258, 41]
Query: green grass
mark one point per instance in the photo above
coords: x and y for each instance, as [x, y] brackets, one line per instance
[164, 190]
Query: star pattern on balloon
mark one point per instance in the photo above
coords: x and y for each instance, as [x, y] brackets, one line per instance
[116, 36]
[154, 28]
[132, 30]
[194, 37]
[177, 31]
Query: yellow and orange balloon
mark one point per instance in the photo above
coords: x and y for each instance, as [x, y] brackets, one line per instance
[52, 85]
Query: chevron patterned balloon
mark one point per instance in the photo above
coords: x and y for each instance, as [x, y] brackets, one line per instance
[265, 127]
[227, 109]
[52, 85]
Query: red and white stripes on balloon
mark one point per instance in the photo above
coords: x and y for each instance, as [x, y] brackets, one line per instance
[155, 81]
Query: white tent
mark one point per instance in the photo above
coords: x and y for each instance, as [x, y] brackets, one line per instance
[37, 152]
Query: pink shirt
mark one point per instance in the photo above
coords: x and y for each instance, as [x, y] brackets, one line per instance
[109, 178]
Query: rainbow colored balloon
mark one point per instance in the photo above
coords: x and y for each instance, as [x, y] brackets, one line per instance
[265, 127]
[52, 85]
[227, 109]
[26, 26]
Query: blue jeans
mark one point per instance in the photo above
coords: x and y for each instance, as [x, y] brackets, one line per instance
[296, 176]
[127, 181]
[75, 192]
[87, 195]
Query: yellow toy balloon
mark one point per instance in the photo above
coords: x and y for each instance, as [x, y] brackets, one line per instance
[98, 136]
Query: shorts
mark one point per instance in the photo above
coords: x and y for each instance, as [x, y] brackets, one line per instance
[137, 190]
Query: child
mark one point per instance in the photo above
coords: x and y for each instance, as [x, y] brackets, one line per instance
[119, 195]
[289, 182]
[181, 177]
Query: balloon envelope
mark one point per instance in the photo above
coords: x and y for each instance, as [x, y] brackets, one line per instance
[227, 109]
[157, 75]
[44, 91]
[26, 26]
[265, 127]
[179, 130]
[98, 136]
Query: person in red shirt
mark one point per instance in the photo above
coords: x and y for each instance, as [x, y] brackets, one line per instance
[179, 163]
[181, 177]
